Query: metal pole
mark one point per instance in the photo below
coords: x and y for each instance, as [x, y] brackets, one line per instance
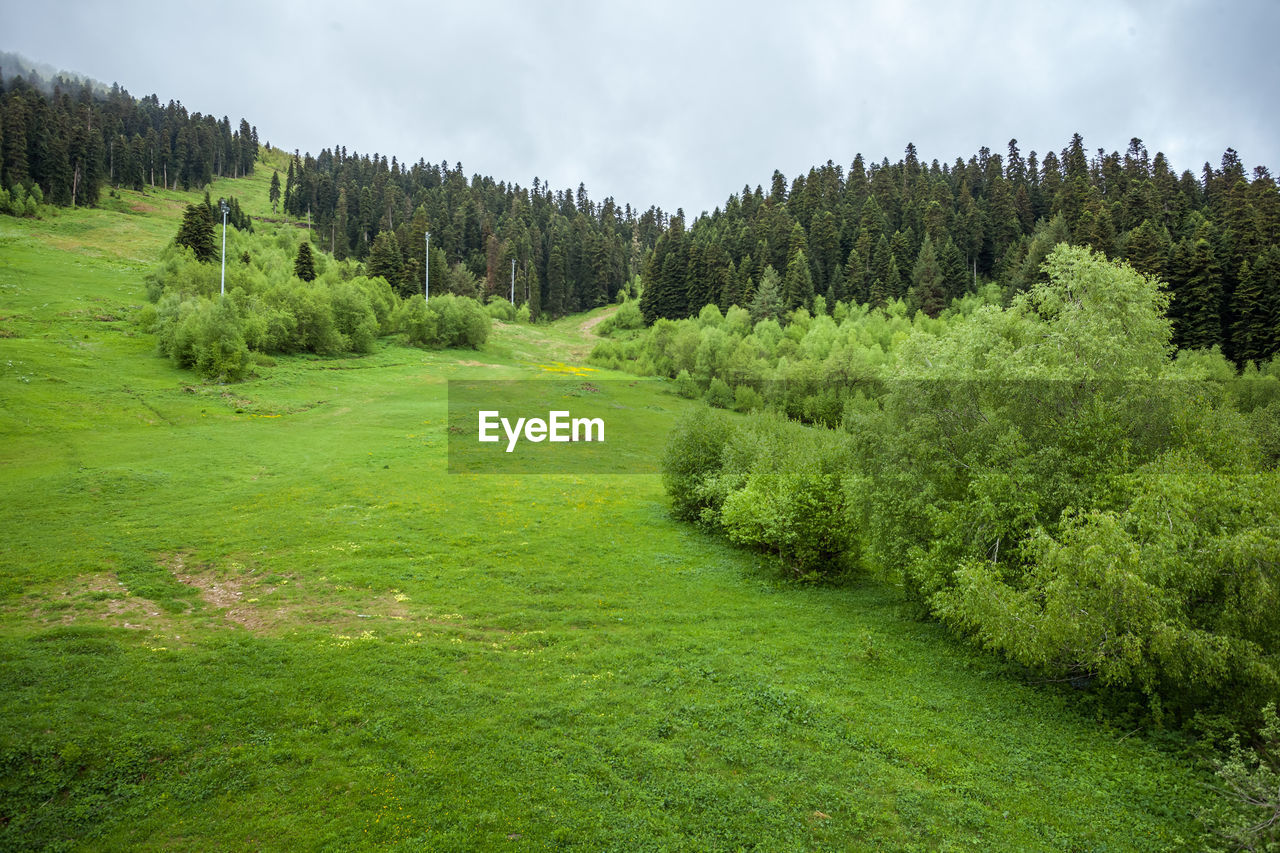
[222, 290]
[513, 282]
[426, 282]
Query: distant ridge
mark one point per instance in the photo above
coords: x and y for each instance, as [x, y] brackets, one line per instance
[42, 75]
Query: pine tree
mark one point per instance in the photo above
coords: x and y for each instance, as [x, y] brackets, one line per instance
[878, 271]
[836, 289]
[274, 194]
[824, 242]
[730, 292]
[955, 278]
[340, 242]
[1255, 334]
[900, 248]
[289, 187]
[1196, 306]
[767, 303]
[928, 290]
[304, 265]
[895, 283]
[1148, 249]
[385, 259]
[798, 290]
[196, 232]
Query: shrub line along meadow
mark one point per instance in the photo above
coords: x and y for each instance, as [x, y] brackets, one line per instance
[261, 615]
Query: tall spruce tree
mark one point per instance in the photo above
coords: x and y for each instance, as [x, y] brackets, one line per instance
[767, 303]
[385, 259]
[304, 264]
[196, 232]
[1196, 306]
[798, 288]
[273, 195]
[928, 289]
[1255, 333]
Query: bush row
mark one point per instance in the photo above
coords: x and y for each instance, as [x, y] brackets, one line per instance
[267, 309]
[1046, 481]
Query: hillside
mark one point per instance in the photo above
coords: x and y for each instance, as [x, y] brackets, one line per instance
[263, 616]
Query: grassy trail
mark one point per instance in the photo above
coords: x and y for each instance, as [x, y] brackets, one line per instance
[263, 616]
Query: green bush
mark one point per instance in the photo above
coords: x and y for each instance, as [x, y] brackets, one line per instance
[500, 309]
[718, 394]
[1250, 775]
[463, 322]
[418, 322]
[202, 334]
[382, 299]
[627, 317]
[354, 317]
[692, 459]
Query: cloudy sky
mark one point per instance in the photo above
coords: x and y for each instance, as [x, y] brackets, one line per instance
[680, 104]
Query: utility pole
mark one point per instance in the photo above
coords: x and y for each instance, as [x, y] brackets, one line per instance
[426, 282]
[222, 202]
[513, 282]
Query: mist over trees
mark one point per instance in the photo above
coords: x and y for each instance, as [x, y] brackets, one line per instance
[71, 139]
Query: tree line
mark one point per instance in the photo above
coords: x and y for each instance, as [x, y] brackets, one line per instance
[570, 253]
[62, 141]
[926, 234]
[69, 140]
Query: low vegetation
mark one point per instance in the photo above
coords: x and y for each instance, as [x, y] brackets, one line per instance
[1044, 480]
[262, 615]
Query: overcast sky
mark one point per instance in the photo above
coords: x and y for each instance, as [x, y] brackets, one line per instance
[680, 104]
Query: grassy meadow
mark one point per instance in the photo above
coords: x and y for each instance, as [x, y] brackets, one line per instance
[264, 616]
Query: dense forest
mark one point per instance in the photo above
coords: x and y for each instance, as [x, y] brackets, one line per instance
[926, 234]
[66, 140]
[63, 141]
[570, 252]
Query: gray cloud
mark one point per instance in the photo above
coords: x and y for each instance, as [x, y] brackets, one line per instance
[681, 104]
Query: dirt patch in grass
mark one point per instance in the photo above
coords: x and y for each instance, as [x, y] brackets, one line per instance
[225, 593]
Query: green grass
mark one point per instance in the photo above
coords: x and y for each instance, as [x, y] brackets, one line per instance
[264, 616]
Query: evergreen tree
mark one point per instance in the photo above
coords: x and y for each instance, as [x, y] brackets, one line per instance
[836, 290]
[878, 271]
[824, 242]
[289, 194]
[895, 283]
[1196, 306]
[1148, 249]
[385, 259]
[798, 289]
[341, 245]
[730, 291]
[1255, 334]
[274, 194]
[767, 303]
[928, 289]
[304, 265]
[900, 248]
[955, 277]
[196, 232]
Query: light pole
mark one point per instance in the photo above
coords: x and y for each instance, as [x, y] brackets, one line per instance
[222, 202]
[513, 282]
[426, 282]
